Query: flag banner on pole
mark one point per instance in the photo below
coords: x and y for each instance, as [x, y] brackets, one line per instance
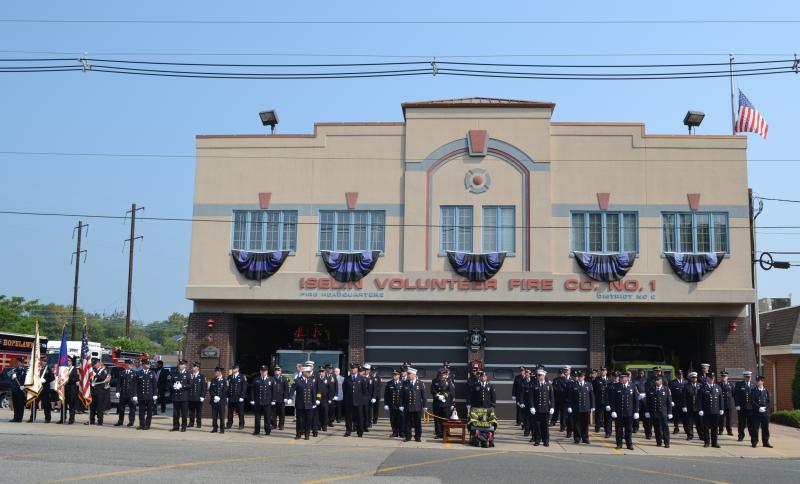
[86, 367]
[63, 369]
[33, 380]
[749, 119]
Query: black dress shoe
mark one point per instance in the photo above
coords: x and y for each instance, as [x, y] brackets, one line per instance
[666, 446]
[407, 439]
[305, 438]
[297, 437]
[754, 445]
[630, 447]
[741, 438]
[213, 431]
[706, 444]
[256, 432]
[183, 429]
[536, 444]
[315, 434]
[418, 439]
[546, 444]
[174, 429]
[130, 424]
[767, 445]
[140, 428]
[716, 446]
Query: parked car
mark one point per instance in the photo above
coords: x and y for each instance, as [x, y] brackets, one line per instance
[5, 387]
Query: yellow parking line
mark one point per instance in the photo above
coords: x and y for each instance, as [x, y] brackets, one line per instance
[400, 467]
[612, 447]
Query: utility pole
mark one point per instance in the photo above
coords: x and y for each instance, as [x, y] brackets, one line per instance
[755, 316]
[733, 111]
[131, 241]
[77, 255]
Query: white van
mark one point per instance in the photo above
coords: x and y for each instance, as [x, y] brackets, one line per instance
[73, 349]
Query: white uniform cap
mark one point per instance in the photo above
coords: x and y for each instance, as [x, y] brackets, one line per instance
[747, 373]
[412, 370]
[367, 366]
[307, 368]
[705, 365]
[541, 372]
[692, 373]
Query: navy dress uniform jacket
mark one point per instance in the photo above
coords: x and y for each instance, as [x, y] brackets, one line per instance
[218, 388]
[146, 385]
[625, 400]
[262, 391]
[303, 390]
[659, 401]
[728, 403]
[392, 394]
[711, 400]
[197, 387]
[540, 397]
[760, 398]
[581, 397]
[127, 384]
[181, 395]
[743, 396]
[280, 388]
[413, 396]
[355, 391]
[482, 395]
[237, 387]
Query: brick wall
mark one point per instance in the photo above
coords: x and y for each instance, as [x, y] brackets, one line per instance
[356, 345]
[733, 349]
[199, 336]
[779, 374]
[597, 342]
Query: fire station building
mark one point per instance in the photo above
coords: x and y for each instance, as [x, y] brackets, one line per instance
[475, 229]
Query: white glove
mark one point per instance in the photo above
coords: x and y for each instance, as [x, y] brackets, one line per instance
[135, 399]
[669, 417]
[569, 409]
[672, 404]
[738, 408]
[177, 385]
[533, 411]
[468, 407]
[285, 401]
[641, 396]
[636, 416]
[441, 398]
[202, 399]
[592, 410]
[762, 409]
[22, 389]
[241, 400]
[336, 398]
[700, 413]
[216, 399]
[289, 401]
[386, 407]
[117, 394]
[155, 397]
[552, 410]
[513, 398]
[272, 403]
[521, 405]
[685, 409]
[317, 401]
[608, 408]
[402, 409]
[251, 402]
[372, 401]
[313, 407]
[722, 412]
[647, 415]
[613, 414]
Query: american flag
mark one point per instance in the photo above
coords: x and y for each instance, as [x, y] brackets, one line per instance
[749, 118]
[86, 367]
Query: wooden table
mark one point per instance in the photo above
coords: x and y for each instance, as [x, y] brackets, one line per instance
[451, 425]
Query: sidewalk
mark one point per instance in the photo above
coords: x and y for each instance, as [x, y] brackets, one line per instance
[786, 440]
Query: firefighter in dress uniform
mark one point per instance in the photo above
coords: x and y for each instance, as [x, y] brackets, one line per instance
[324, 396]
[218, 392]
[759, 417]
[581, 406]
[676, 388]
[126, 395]
[197, 395]
[46, 395]
[99, 390]
[602, 419]
[540, 402]
[691, 408]
[742, 396]
[163, 378]
[71, 391]
[442, 392]
[237, 390]
[262, 399]
[392, 404]
[354, 392]
[712, 410]
[640, 381]
[624, 409]
[516, 394]
[659, 410]
[482, 394]
[524, 389]
[376, 393]
[305, 403]
[280, 389]
[414, 403]
[146, 395]
[728, 404]
[180, 397]
[365, 372]
[560, 392]
[18, 398]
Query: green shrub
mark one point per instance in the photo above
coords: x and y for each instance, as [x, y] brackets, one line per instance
[787, 417]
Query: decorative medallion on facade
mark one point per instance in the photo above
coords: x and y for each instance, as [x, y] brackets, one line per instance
[477, 180]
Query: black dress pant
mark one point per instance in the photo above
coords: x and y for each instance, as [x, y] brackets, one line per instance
[697, 420]
[354, 419]
[265, 412]
[239, 407]
[375, 410]
[71, 404]
[558, 414]
[146, 407]
[46, 404]
[710, 423]
[123, 403]
[98, 407]
[624, 426]
[338, 407]
[396, 420]
[581, 426]
[218, 416]
[180, 412]
[726, 421]
[321, 422]
[566, 420]
[599, 417]
[18, 399]
[540, 428]
[196, 413]
[744, 417]
[413, 420]
[303, 421]
[661, 428]
[162, 398]
[279, 414]
[760, 420]
[440, 411]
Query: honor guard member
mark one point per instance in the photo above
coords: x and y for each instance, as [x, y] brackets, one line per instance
[759, 418]
[414, 403]
[649, 384]
[581, 406]
[691, 408]
[640, 381]
[560, 393]
[127, 395]
[742, 397]
[482, 394]
[601, 418]
[146, 395]
[197, 395]
[676, 389]
[46, 395]
[659, 409]
[712, 410]
[728, 404]
[334, 392]
[376, 394]
[323, 394]
[366, 371]
[540, 402]
[354, 390]
[99, 390]
[304, 403]
[624, 409]
[280, 389]
[237, 390]
[262, 399]
[524, 390]
[702, 378]
[162, 379]
[180, 397]
[18, 397]
[451, 373]
[442, 391]
[218, 392]
[392, 403]
[516, 394]
[71, 388]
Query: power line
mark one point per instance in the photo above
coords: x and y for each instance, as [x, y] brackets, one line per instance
[405, 22]
[777, 199]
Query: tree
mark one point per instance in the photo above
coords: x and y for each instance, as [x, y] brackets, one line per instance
[796, 385]
[15, 315]
[138, 343]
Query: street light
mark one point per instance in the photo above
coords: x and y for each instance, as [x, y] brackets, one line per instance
[693, 119]
[269, 118]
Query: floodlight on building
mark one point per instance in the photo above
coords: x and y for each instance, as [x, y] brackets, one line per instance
[693, 119]
[269, 118]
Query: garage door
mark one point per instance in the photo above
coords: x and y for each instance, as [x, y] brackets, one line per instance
[512, 342]
[425, 341]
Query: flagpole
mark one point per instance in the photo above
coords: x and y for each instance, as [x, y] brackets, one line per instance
[733, 112]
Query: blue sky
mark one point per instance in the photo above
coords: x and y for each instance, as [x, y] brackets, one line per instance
[102, 113]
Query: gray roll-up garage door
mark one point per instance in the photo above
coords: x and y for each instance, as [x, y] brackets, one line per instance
[424, 341]
[512, 342]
